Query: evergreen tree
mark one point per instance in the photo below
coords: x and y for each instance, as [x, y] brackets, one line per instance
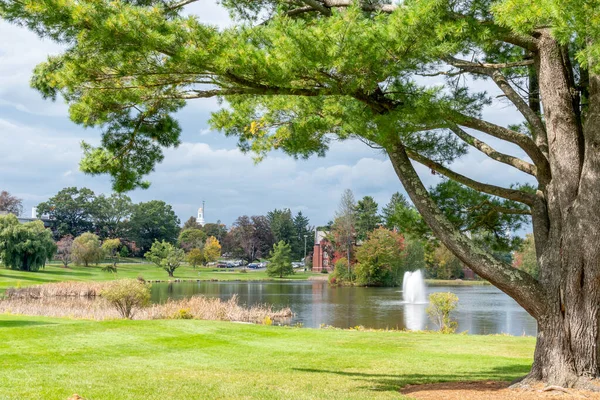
[281, 260]
[304, 237]
[367, 217]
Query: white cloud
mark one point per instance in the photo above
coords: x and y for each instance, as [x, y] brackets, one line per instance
[40, 152]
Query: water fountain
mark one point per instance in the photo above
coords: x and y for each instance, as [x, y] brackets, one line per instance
[414, 296]
[413, 288]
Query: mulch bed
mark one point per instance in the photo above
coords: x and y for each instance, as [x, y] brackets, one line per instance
[489, 390]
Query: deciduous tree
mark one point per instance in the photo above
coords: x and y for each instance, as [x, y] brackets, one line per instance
[191, 239]
[64, 249]
[87, 249]
[71, 211]
[212, 249]
[195, 257]
[110, 248]
[10, 204]
[151, 221]
[166, 256]
[380, 259]
[26, 247]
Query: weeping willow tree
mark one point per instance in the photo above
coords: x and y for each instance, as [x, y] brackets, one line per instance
[298, 74]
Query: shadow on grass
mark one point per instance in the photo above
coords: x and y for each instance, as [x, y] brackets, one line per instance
[21, 323]
[390, 382]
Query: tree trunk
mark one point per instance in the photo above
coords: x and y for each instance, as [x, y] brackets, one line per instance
[170, 272]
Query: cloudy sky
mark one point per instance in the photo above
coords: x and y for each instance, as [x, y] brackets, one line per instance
[40, 152]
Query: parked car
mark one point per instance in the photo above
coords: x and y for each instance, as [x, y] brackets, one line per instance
[222, 265]
[254, 265]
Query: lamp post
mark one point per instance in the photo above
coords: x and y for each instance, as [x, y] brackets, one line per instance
[305, 236]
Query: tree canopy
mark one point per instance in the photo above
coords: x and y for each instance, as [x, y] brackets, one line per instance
[25, 247]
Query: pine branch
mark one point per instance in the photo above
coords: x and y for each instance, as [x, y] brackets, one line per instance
[521, 140]
[537, 125]
[494, 154]
[510, 194]
[516, 283]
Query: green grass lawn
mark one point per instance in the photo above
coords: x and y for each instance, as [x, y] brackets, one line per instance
[56, 273]
[44, 358]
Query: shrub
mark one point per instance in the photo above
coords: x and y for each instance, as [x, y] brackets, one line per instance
[439, 309]
[127, 295]
[340, 272]
[183, 313]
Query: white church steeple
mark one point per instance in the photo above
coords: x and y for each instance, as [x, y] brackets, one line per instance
[200, 219]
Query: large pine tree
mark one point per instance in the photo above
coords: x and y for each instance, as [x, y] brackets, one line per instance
[297, 74]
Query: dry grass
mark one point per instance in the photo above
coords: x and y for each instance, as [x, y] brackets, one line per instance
[59, 289]
[83, 301]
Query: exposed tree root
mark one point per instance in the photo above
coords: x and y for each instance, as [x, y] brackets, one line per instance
[533, 383]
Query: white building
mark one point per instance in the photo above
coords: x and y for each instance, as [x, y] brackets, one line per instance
[200, 218]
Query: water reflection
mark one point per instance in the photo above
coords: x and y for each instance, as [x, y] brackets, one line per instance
[481, 309]
[415, 317]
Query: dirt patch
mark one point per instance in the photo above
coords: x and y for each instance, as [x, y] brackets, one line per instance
[488, 390]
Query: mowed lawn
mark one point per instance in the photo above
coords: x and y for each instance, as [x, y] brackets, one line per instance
[44, 358]
[56, 273]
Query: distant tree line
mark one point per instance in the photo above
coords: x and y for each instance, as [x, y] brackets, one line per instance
[360, 238]
[86, 228]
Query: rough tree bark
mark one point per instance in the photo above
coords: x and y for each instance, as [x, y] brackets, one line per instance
[566, 220]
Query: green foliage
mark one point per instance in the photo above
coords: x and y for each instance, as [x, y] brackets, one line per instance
[380, 259]
[526, 259]
[110, 247]
[414, 254]
[440, 307]
[342, 273]
[282, 225]
[399, 214]
[291, 230]
[367, 217]
[195, 257]
[281, 263]
[191, 239]
[24, 247]
[110, 215]
[127, 295]
[152, 221]
[442, 264]
[217, 230]
[165, 256]
[87, 249]
[191, 223]
[71, 210]
[124, 252]
[343, 229]
[481, 214]
[302, 244]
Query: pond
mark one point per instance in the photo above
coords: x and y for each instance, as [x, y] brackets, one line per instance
[481, 309]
